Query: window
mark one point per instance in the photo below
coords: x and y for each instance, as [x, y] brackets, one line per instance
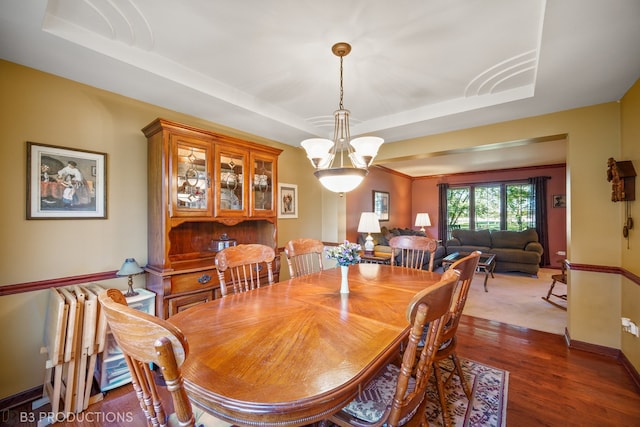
[458, 208]
[486, 208]
[520, 207]
[495, 206]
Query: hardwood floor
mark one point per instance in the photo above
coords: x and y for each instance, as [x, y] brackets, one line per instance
[549, 384]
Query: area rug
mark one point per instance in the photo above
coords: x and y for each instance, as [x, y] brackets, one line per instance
[488, 407]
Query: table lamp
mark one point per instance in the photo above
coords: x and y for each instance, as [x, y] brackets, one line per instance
[369, 223]
[129, 269]
[422, 221]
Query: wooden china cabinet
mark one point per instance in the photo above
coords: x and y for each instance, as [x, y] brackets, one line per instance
[206, 191]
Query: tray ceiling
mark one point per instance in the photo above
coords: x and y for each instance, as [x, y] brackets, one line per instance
[265, 66]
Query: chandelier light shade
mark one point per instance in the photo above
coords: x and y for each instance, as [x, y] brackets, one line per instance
[360, 152]
[422, 221]
[318, 151]
[369, 223]
[340, 180]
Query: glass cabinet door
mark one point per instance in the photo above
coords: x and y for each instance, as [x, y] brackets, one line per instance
[262, 182]
[231, 199]
[192, 171]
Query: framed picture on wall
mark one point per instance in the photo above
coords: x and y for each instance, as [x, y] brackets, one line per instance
[287, 200]
[559, 201]
[65, 183]
[381, 204]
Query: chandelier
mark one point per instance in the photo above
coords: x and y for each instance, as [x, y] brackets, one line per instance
[360, 151]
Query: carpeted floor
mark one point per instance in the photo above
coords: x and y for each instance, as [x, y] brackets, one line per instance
[515, 299]
[489, 404]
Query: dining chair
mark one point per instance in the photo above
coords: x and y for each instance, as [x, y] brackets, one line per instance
[413, 251]
[467, 267]
[304, 256]
[243, 266]
[395, 397]
[145, 339]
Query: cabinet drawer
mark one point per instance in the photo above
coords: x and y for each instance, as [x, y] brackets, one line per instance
[181, 303]
[194, 281]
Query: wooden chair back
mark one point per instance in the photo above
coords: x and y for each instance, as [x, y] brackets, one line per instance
[243, 266]
[146, 339]
[429, 306]
[467, 267]
[446, 346]
[412, 251]
[304, 256]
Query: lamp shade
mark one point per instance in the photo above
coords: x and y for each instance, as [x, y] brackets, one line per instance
[369, 223]
[129, 268]
[423, 220]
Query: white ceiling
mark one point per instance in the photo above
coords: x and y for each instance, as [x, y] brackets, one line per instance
[418, 67]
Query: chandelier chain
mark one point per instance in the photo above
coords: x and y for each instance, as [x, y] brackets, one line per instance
[341, 89]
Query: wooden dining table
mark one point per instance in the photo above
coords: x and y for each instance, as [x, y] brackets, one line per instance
[297, 351]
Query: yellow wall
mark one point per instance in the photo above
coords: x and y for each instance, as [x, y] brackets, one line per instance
[43, 108]
[630, 131]
[46, 109]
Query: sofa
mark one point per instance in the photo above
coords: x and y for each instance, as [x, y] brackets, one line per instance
[381, 242]
[518, 251]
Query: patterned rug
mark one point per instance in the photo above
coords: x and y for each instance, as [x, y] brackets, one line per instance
[489, 386]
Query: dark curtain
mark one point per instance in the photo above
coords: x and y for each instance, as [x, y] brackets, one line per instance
[443, 220]
[539, 212]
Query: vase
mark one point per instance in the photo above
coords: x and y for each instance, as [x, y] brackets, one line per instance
[344, 284]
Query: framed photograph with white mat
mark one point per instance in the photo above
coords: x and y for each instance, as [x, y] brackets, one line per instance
[287, 200]
[65, 183]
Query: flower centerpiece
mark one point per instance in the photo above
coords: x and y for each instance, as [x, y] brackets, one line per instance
[345, 254]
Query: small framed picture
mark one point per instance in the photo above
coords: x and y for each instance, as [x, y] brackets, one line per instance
[65, 183]
[381, 204]
[559, 201]
[287, 200]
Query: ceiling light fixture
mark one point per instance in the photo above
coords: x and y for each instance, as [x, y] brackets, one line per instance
[322, 152]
